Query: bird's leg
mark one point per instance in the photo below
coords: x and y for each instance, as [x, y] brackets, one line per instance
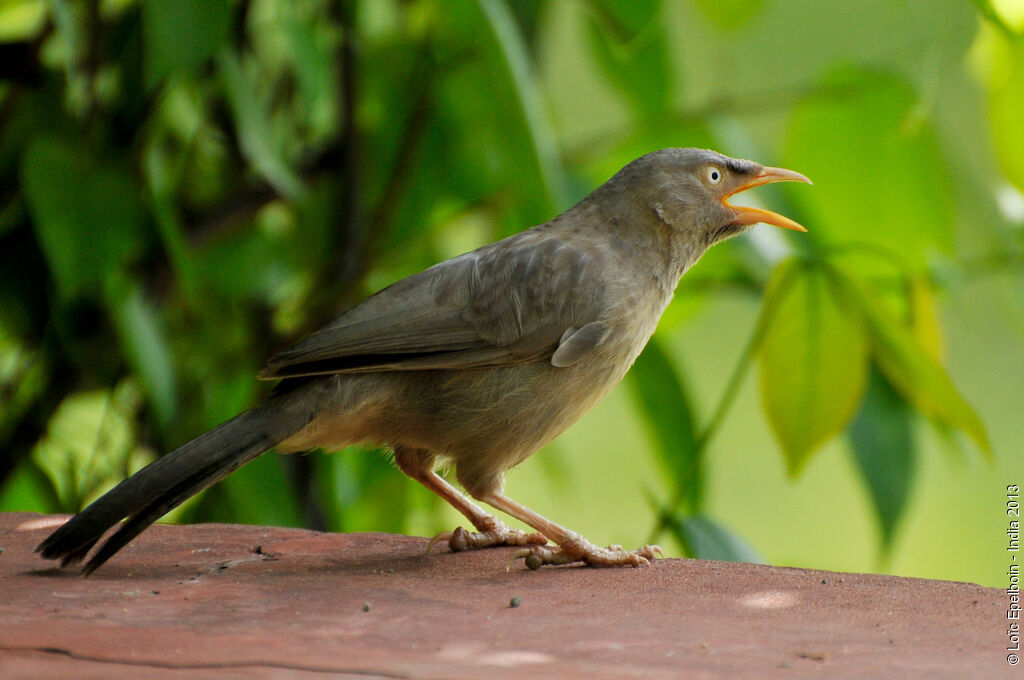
[490, 531]
[571, 547]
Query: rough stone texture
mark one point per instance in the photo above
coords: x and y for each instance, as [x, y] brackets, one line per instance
[222, 601]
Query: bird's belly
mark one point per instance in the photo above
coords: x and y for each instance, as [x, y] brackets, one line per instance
[524, 409]
[485, 421]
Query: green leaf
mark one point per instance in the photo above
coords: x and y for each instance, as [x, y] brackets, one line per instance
[924, 316]
[29, 489]
[878, 170]
[86, 213]
[260, 135]
[24, 372]
[813, 363]
[909, 367]
[730, 14]
[475, 132]
[626, 18]
[21, 22]
[666, 409]
[256, 493]
[179, 35]
[90, 444]
[987, 10]
[1005, 104]
[163, 176]
[883, 447]
[515, 56]
[632, 49]
[351, 484]
[144, 344]
[706, 539]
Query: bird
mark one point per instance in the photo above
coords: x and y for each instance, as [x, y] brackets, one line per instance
[473, 364]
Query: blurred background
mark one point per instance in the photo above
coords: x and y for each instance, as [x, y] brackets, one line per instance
[186, 186]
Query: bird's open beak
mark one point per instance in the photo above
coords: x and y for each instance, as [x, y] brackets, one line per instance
[745, 215]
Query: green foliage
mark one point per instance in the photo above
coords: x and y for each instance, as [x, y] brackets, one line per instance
[904, 200]
[813, 361]
[632, 50]
[1005, 72]
[85, 210]
[884, 449]
[181, 35]
[730, 14]
[145, 346]
[666, 408]
[186, 186]
[703, 537]
[909, 367]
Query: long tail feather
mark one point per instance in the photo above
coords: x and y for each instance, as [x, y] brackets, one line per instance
[163, 485]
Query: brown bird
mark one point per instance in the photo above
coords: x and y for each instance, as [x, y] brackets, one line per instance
[477, 362]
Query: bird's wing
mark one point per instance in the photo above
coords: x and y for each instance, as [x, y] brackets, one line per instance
[578, 343]
[510, 302]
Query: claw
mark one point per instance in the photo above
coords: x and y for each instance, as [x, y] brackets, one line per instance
[443, 536]
[524, 554]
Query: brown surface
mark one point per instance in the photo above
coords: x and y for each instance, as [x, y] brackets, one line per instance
[224, 601]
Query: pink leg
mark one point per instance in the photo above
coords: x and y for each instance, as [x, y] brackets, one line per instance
[490, 531]
[571, 546]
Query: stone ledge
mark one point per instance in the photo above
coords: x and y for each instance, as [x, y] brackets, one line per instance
[228, 601]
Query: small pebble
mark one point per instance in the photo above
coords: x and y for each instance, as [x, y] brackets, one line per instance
[366, 606]
[533, 561]
[515, 602]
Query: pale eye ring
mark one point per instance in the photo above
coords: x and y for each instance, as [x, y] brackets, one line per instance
[714, 174]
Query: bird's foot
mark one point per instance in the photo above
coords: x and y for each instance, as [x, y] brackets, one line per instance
[580, 550]
[494, 534]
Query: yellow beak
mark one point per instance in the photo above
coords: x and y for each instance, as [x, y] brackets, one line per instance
[745, 215]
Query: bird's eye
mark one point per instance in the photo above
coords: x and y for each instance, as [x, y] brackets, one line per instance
[714, 174]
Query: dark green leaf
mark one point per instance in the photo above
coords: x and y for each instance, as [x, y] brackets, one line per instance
[635, 56]
[706, 539]
[260, 134]
[86, 213]
[884, 450]
[353, 482]
[666, 408]
[24, 373]
[626, 18]
[180, 35]
[511, 105]
[143, 341]
[258, 493]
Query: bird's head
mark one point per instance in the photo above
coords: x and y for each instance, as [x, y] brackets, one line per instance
[688, 190]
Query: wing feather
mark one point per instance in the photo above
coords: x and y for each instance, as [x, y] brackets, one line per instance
[506, 303]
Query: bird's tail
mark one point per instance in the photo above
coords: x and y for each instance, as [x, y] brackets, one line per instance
[171, 480]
